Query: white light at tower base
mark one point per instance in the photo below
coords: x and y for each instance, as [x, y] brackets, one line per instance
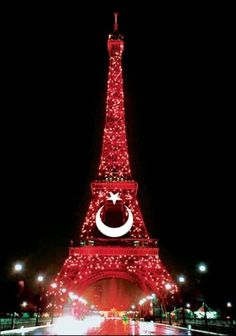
[168, 286]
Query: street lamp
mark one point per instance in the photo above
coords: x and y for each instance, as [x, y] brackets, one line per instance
[133, 310]
[17, 269]
[40, 279]
[54, 286]
[141, 303]
[229, 306]
[168, 287]
[154, 300]
[181, 280]
[24, 306]
[202, 268]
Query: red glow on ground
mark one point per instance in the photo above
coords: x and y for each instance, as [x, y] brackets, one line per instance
[118, 294]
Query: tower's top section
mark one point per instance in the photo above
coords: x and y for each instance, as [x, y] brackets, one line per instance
[114, 164]
[115, 41]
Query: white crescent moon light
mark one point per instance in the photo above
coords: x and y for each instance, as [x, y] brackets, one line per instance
[114, 232]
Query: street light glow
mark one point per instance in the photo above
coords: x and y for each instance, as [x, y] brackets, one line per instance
[229, 304]
[202, 268]
[18, 267]
[40, 278]
[181, 279]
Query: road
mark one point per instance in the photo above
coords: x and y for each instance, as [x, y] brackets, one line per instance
[101, 326]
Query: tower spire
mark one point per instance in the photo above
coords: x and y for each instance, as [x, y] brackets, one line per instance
[114, 163]
[115, 22]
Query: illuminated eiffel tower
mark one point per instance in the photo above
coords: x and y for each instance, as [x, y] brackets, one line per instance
[114, 242]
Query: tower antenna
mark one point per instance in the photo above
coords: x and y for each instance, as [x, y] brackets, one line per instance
[115, 23]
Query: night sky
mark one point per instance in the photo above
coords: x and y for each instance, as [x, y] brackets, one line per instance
[179, 102]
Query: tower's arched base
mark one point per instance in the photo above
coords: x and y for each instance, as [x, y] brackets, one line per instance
[89, 264]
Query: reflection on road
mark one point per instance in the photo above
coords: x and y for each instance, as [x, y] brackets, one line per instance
[97, 325]
[70, 326]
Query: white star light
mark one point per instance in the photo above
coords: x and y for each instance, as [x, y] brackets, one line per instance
[114, 197]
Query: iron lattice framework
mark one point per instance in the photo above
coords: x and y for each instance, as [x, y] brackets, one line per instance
[133, 257]
[115, 159]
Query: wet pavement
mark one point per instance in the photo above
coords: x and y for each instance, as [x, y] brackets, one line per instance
[100, 326]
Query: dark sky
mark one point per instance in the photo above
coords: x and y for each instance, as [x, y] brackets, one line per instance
[179, 109]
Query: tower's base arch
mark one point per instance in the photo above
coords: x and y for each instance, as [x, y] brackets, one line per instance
[90, 264]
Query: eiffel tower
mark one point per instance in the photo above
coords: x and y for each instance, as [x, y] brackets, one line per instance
[114, 242]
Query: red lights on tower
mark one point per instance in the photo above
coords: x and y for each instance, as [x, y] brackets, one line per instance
[115, 159]
[114, 239]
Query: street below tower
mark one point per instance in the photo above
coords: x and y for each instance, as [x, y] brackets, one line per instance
[93, 326]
